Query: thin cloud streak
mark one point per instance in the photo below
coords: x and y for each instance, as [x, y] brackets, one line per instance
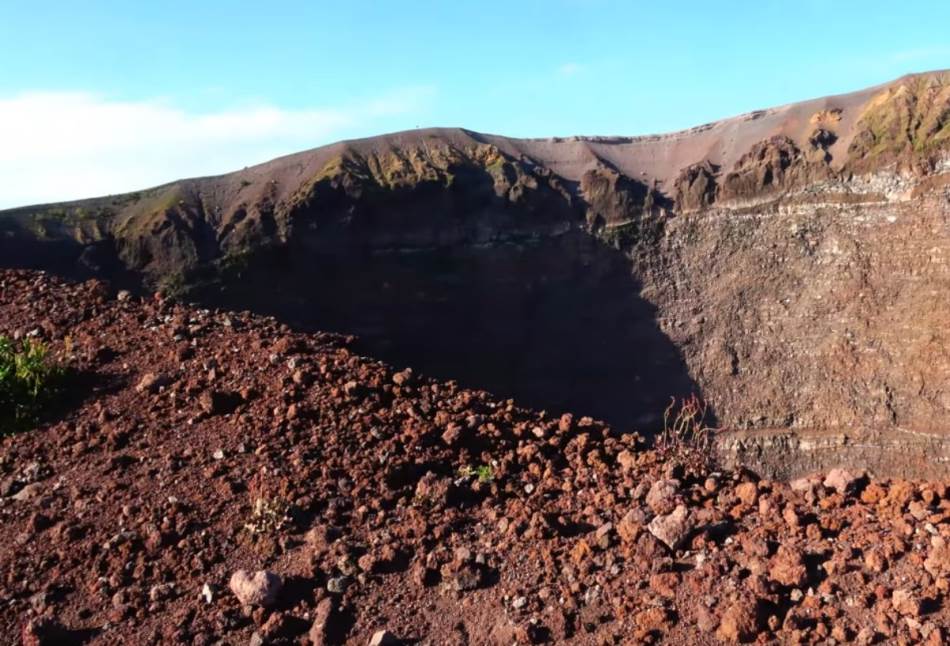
[67, 145]
[921, 53]
[570, 69]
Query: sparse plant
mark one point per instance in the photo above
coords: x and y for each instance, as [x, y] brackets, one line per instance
[686, 436]
[268, 516]
[30, 380]
[484, 473]
[270, 510]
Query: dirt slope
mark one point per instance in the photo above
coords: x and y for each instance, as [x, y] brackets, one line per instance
[207, 442]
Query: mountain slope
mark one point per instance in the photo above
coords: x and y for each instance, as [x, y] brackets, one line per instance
[904, 125]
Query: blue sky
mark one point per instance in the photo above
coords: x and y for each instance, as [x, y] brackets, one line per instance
[102, 97]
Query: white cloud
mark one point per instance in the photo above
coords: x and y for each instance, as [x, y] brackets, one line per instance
[921, 54]
[66, 145]
[570, 69]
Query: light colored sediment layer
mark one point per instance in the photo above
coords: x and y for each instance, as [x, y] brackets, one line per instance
[784, 454]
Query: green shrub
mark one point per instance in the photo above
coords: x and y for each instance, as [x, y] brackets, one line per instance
[29, 381]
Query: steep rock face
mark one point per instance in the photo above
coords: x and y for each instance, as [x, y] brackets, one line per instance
[695, 187]
[788, 264]
[612, 198]
[815, 315]
[773, 165]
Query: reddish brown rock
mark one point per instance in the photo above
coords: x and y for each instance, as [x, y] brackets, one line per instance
[44, 631]
[938, 558]
[384, 638]
[747, 493]
[661, 497]
[842, 480]
[906, 603]
[740, 622]
[673, 529]
[787, 567]
[260, 588]
[152, 382]
[360, 496]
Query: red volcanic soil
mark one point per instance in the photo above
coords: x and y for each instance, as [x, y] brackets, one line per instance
[199, 443]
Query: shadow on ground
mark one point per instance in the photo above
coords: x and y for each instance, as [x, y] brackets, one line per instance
[457, 282]
[557, 323]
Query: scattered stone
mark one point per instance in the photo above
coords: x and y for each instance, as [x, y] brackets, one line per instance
[740, 622]
[465, 576]
[9, 486]
[39, 602]
[322, 618]
[385, 483]
[161, 592]
[219, 402]
[938, 560]
[384, 638]
[631, 525]
[152, 382]
[673, 529]
[44, 631]
[842, 481]
[602, 537]
[627, 461]
[787, 567]
[803, 485]
[258, 589]
[906, 603]
[875, 561]
[662, 496]
[651, 621]
[452, 433]
[402, 378]
[565, 422]
[337, 584]
[29, 492]
[747, 493]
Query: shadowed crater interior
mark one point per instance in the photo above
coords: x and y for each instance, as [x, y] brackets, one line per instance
[555, 322]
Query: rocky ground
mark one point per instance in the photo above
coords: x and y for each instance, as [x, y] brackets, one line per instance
[219, 479]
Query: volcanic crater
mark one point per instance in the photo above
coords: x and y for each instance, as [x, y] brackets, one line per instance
[788, 265]
[411, 389]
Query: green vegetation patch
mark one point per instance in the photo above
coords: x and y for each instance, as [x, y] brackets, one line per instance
[484, 473]
[30, 382]
[914, 117]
